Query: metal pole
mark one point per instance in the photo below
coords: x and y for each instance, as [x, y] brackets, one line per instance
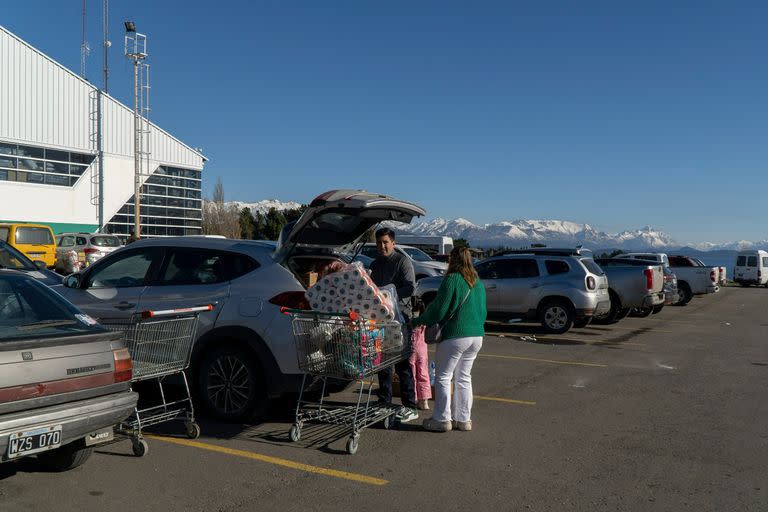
[100, 149]
[106, 45]
[136, 153]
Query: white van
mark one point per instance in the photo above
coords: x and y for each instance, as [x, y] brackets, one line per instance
[751, 268]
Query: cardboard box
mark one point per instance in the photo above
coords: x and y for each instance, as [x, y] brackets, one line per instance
[308, 278]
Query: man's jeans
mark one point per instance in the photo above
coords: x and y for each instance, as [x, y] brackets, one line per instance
[404, 374]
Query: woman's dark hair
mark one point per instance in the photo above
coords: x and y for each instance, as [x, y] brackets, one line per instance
[385, 232]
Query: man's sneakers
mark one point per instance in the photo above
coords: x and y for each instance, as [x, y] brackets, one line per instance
[406, 415]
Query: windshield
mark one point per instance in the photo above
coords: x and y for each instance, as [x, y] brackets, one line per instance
[416, 254]
[25, 235]
[29, 309]
[10, 257]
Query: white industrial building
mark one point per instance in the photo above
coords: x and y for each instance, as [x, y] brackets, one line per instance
[49, 158]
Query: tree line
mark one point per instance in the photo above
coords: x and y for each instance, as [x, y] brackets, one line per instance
[220, 218]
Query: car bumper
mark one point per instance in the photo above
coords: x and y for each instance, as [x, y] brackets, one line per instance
[76, 418]
[653, 300]
[671, 298]
[712, 289]
[600, 309]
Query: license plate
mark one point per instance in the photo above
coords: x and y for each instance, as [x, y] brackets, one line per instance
[34, 441]
[36, 253]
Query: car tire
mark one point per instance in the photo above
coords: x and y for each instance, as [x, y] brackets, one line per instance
[641, 312]
[685, 293]
[556, 316]
[616, 312]
[657, 309]
[65, 458]
[582, 322]
[230, 384]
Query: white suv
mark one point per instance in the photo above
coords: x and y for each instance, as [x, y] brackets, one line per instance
[244, 352]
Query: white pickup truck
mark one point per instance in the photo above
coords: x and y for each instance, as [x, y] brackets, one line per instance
[691, 278]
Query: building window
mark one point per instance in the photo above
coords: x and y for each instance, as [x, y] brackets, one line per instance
[51, 166]
[170, 205]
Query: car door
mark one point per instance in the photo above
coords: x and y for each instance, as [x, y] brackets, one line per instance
[191, 277]
[65, 244]
[487, 271]
[111, 289]
[519, 279]
[750, 271]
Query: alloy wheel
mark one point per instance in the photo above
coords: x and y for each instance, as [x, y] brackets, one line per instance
[229, 384]
[555, 317]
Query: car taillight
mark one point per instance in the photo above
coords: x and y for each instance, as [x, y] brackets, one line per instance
[123, 365]
[90, 250]
[291, 300]
[648, 278]
[590, 283]
[713, 276]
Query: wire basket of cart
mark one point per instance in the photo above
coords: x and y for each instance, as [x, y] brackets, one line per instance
[344, 346]
[160, 344]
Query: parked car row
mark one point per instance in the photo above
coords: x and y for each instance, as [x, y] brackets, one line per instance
[564, 288]
[243, 353]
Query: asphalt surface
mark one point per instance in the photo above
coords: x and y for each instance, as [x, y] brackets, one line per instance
[667, 412]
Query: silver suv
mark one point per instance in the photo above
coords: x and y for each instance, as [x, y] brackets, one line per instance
[423, 265]
[90, 247]
[244, 352]
[560, 288]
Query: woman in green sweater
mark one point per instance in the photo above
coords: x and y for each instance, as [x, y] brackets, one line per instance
[460, 308]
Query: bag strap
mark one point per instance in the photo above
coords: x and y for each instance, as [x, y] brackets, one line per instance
[458, 308]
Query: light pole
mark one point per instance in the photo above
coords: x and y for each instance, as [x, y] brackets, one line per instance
[136, 50]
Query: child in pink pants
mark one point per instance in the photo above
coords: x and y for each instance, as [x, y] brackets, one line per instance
[420, 366]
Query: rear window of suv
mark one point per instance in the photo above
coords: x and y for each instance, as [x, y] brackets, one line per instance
[741, 261]
[105, 241]
[593, 267]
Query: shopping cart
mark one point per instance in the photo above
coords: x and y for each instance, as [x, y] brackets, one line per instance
[347, 347]
[160, 344]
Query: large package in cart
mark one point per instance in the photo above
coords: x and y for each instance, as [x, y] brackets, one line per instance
[351, 289]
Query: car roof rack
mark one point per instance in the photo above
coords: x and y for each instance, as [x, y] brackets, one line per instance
[549, 251]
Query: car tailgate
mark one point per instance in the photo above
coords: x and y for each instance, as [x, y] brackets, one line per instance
[43, 372]
[658, 278]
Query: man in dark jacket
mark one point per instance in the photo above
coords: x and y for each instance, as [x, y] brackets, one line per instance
[391, 267]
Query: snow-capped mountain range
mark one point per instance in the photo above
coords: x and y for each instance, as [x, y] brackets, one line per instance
[265, 205]
[520, 233]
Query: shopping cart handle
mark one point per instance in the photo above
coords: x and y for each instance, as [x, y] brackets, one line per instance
[177, 311]
[291, 311]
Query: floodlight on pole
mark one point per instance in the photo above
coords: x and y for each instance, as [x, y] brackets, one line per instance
[136, 50]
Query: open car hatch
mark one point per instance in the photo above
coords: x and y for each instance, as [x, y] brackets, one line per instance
[336, 221]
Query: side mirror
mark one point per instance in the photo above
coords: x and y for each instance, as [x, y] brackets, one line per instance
[40, 264]
[72, 280]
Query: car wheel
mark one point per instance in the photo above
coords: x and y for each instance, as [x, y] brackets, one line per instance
[616, 312]
[685, 293]
[230, 385]
[65, 458]
[582, 322]
[641, 312]
[657, 309]
[556, 316]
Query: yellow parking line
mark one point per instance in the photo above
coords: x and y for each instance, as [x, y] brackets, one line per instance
[552, 361]
[273, 460]
[505, 400]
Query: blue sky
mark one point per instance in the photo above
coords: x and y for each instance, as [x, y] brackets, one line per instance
[617, 114]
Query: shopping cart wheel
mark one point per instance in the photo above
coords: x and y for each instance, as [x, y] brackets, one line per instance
[295, 433]
[193, 430]
[352, 444]
[140, 447]
[388, 422]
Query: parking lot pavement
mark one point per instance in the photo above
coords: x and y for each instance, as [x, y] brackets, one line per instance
[660, 413]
